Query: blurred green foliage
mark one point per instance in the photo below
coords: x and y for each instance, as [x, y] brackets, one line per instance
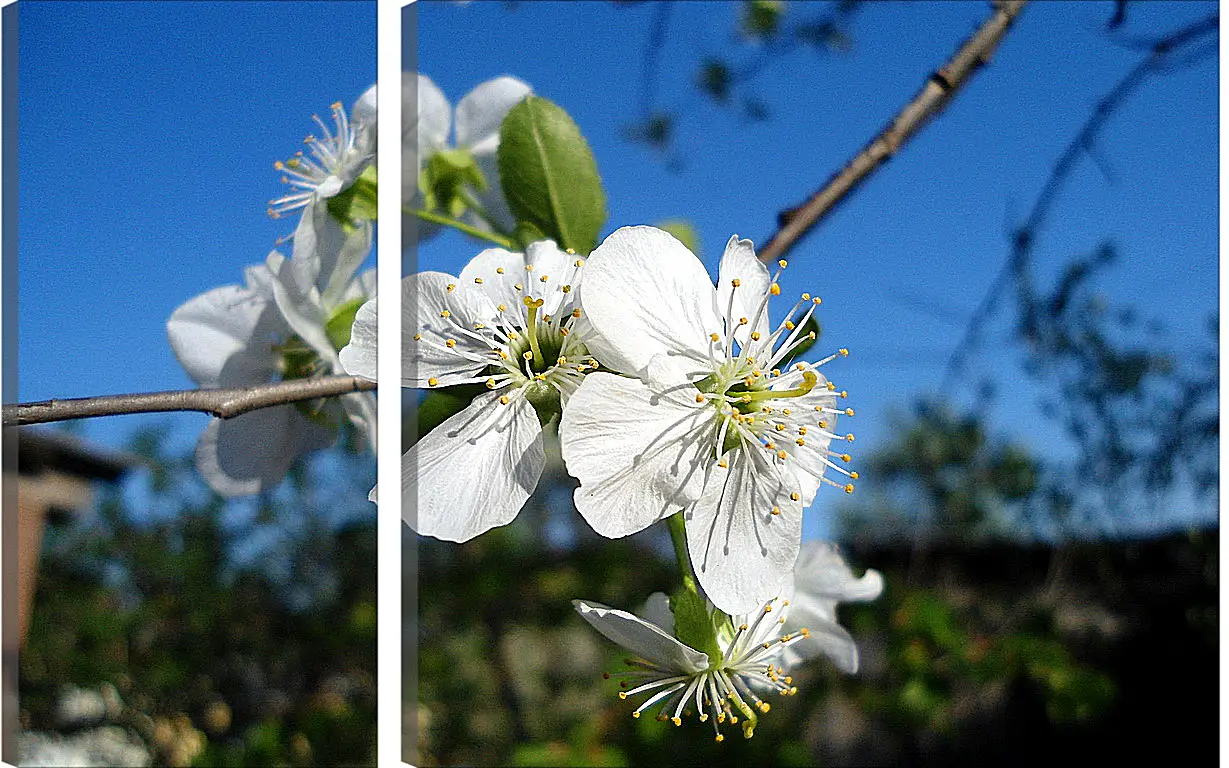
[973, 661]
[237, 633]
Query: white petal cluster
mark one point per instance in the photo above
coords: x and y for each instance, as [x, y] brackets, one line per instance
[431, 126]
[334, 159]
[506, 323]
[288, 320]
[758, 649]
[704, 419]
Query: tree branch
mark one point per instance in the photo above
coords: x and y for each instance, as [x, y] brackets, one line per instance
[1025, 236]
[222, 403]
[938, 90]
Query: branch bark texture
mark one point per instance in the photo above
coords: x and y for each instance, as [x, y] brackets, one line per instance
[937, 91]
[222, 403]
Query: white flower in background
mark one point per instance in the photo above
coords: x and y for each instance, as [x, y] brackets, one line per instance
[680, 679]
[821, 580]
[712, 426]
[335, 159]
[507, 323]
[280, 325]
[319, 295]
[476, 122]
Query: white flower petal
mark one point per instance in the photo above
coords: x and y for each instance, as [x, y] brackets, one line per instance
[499, 286]
[475, 471]
[251, 452]
[333, 254]
[639, 456]
[224, 338]
[642, 638]
[358, 358]
[360, 408]
[522, 275]
[297, 298]
[739, 263]
[365, 108]
[656, 610]
[645, 294]
[440, 315]
[821, 572]
[430, 130]
[483, 110]
[826, 637]
[741, 552]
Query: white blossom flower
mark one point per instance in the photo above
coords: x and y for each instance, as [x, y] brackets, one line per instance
[281, 324]
[506, 322]
[711, 425]
[680, 679]
[821, 580]
[477, 120]
[319, 295]
[336, 158]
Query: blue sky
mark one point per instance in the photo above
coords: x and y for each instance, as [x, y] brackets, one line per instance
[902, 264]
[147, 134]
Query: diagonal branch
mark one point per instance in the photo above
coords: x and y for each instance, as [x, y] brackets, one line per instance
[938, 90]
[1159, 57]
[222, 403]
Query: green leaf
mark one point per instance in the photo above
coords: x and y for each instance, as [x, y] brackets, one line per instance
[549, 176]
[693, 624]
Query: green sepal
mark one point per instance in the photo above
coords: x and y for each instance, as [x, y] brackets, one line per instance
[549, 176]
[445, 179]
[357, 202]
[525, 234]
[695, 625]
[339, 325]
[545, 400]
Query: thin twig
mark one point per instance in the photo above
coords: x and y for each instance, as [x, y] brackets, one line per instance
[1026, 235]
[938, 90]
[222, 403]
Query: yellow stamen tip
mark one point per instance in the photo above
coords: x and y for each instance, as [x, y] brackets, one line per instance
[774, 289]
[431, 382]
[736, 282]
[855, 475]
[849, 488]
[782, 263]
